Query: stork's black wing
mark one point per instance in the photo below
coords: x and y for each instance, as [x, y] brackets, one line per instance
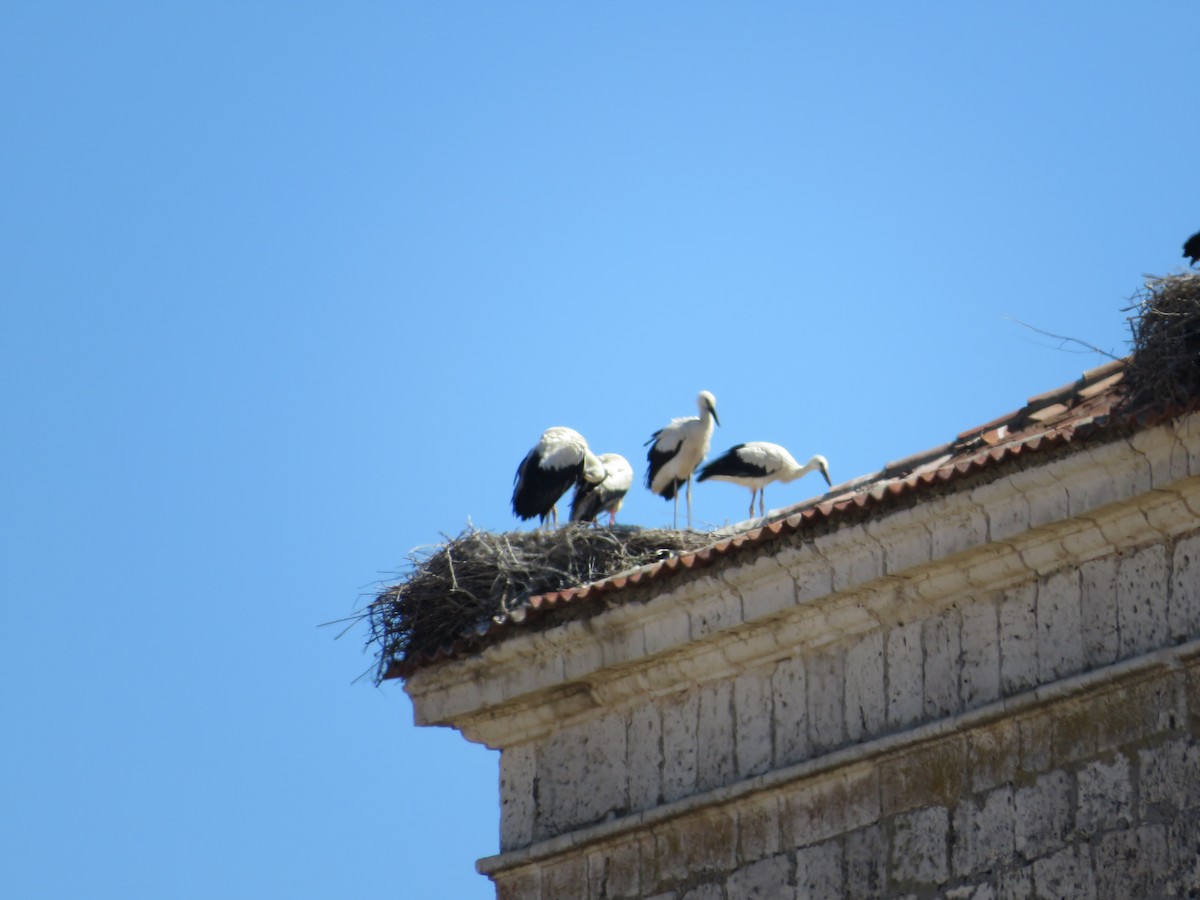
[730, 463]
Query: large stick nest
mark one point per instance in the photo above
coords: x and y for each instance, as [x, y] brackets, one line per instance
[457, 589]
[1165, 369]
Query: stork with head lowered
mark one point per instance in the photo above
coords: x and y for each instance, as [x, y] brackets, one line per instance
[757, 464]
[559, 459]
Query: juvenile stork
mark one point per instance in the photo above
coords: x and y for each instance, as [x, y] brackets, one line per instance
[677, 449]
[1191, 247]
[560, 459]
[757, 464]
[607, 495]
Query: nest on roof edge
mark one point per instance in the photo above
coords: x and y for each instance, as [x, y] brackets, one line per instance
[1164, 371]
[457, 589]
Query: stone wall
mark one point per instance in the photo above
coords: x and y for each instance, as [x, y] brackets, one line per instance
[990, 693]
[1091, 792]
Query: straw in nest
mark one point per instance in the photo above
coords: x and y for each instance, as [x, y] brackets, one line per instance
[459, 588]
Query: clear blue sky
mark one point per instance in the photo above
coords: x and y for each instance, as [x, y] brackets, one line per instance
[290, 288]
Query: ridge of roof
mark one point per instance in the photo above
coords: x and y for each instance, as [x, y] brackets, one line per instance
[1071, 413]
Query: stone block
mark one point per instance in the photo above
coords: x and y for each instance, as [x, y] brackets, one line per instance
[1142, 580]
[1006, 509]
[715, 763]
[1184, 604]
[1168, 779]
[1084, 540]
[1104, 475]
[993, 753]
[1131, 863]
[519, 884]
[1075, 729]
[715, 612]
[1046, 496]
[517, 808]
[622, 871]
[1059, 626]
[935, 772]
[711, 891]
[819, 871]
[831, 805]
[857, 558]
[565, 877]
[983, 832]
[679, 723]
[752, 717]
[789, 710]
[709, 842]
[1183, 849]
[749, 646]
[645, 761]
[979, 680]
[765, 586]
[1067, 873]
[905, 676]
[759, 829]
[866, 699]
[1165, 456]
[810, 571]
[670, 629]
[955, 526]
[1018, 639]
[905, 541]
[1037, 744]
[1045, 556]
[826, 700]
[940, 641]
[1105, 796]
[865, 851]
[1013, 884]
[995, 568]
[581, 775]
[1098, 611]
[1136, 710]
[1044, 815]
[765, 879]
[919, 852]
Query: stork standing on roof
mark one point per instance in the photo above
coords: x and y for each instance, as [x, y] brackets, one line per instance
[559, 459]
[757, 464]
[606, 495]
[1191, 247]
[677, 449]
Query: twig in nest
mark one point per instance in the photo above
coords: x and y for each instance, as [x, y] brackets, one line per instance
[1063, 339]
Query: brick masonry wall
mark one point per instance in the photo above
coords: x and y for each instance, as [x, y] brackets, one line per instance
[1094, 793]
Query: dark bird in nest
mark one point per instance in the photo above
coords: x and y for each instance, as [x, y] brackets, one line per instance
[1191, 247]
[547, 472]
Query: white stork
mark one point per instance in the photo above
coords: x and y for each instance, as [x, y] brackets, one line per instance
[676, 450]
[757, 464]
[606, 496]
[560, 458]
[1191, 248]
